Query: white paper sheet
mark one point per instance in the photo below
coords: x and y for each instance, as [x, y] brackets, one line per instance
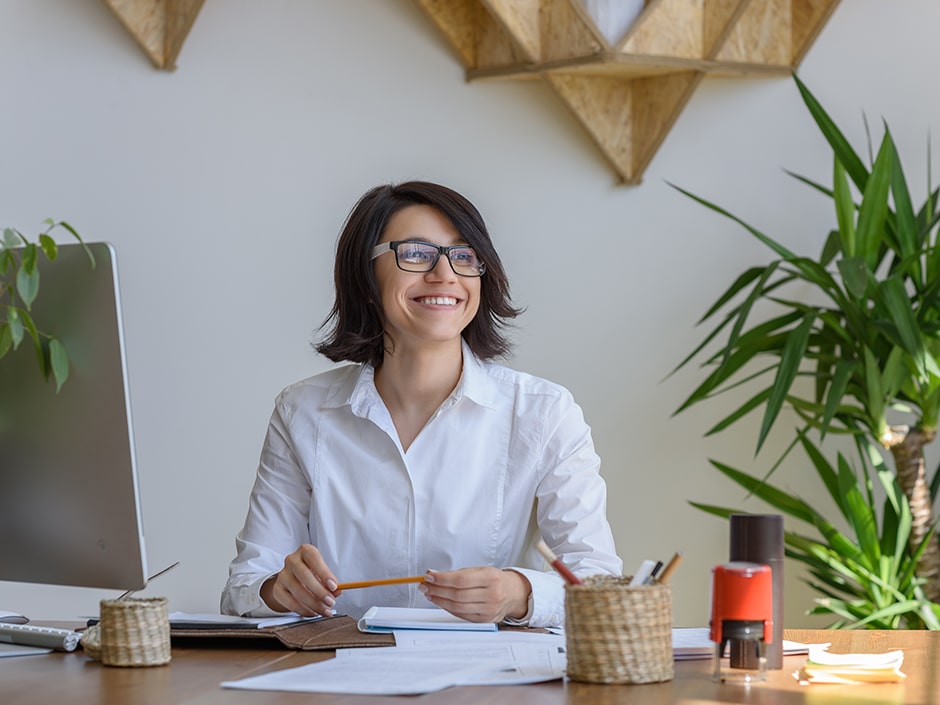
[387, 672]
[425, 661]
[526, 657]
[219, 621]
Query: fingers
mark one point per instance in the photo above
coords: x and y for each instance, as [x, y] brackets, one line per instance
[305, 585]
[462, 593]
[482, 594]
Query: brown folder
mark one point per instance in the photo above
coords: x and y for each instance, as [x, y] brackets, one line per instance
[340, 632]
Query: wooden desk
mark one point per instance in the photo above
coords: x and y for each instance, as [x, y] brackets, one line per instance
[193, 677]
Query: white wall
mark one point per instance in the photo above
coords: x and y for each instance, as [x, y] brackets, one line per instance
[224, 184]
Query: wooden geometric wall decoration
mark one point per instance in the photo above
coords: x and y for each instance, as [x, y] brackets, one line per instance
[628, 93]
[158, 26]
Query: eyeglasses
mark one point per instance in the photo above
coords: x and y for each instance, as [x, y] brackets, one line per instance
[416, 256]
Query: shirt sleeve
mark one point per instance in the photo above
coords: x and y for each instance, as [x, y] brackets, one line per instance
[571, 510]
[276, 525]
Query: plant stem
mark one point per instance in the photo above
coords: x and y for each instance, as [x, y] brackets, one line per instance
[907, 446]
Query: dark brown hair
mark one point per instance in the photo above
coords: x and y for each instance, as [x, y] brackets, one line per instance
[356, 321]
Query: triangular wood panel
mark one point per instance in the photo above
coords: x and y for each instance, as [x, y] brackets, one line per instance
[520, 20]
[762, 35]
[667, 28]
[628, 118]
[159, 26]
[628, 95]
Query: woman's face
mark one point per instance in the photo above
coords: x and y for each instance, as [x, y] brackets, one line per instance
[424, 307]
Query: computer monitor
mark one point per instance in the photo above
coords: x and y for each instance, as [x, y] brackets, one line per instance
[69, 503]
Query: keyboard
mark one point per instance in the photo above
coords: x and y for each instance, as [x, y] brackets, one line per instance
[45, 637]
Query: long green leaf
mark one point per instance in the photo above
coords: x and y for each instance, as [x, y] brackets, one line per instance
[898, 304]
[875, 401]
[789, 365]
[861, 516]
[738, 285]
[840, 381]
[825, 471]
[740, 412]
[854, 273]
[776, 498]
[845, 209]
[717, 378]
[905, 218]
[770, 242]
[874, 207]
[840, 145]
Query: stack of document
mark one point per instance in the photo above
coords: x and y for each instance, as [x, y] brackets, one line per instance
[388, 619]
[824, 667]
[190, 620]
[695, 643]
[425, 659]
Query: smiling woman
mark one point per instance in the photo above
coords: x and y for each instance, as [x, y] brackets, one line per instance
[425, 456]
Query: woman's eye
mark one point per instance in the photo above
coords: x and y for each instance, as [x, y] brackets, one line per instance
[416, 254]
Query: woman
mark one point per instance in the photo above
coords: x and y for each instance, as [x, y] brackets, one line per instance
[424, 457]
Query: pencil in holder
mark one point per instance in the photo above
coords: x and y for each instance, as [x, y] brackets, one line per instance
[616, 633]
[133, 632]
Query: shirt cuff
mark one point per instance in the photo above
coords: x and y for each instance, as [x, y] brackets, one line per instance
[546, 601]
[245, 600]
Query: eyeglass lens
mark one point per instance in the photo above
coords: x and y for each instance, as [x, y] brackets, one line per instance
[422, 257]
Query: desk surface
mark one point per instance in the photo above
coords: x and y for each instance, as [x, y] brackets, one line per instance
[193, 677]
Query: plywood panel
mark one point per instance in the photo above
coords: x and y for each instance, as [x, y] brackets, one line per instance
[459, 21]
[180, 16]
[520, 19]
[628, 97]
[718, 19]
[668, 28]
[808, 18]
[146, 22]
[762, 34]
[159, 26]
[604, 106]
[659, 100]
[564, 32]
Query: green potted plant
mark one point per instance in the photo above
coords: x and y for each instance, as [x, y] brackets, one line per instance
[855, 357]
[19, 287]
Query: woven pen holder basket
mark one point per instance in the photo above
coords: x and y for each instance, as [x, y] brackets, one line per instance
[132, 632]
[615, 633]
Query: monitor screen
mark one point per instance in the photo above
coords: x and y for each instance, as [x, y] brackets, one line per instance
[68, 479]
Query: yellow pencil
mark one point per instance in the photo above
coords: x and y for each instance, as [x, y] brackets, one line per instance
[386, 581]
[670, 567]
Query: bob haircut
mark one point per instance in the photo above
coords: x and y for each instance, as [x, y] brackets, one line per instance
[357, 322]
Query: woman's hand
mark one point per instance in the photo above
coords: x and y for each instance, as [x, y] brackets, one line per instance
[305, 585]
[479, 594]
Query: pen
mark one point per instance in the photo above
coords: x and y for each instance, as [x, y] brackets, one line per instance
[653, 573]
[385, 581]
[670, 567]
[556, 563]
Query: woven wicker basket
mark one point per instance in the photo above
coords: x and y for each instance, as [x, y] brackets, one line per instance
[131, 632]
[618, 634]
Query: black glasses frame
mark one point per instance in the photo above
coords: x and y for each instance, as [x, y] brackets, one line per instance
[441, 250]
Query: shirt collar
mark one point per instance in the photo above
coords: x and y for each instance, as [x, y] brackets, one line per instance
[359, 392]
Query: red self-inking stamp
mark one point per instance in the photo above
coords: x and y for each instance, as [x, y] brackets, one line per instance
[741, 620]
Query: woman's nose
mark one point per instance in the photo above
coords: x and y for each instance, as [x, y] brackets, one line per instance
[442, 269]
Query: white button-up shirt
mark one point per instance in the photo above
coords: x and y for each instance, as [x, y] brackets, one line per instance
[505, 460]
